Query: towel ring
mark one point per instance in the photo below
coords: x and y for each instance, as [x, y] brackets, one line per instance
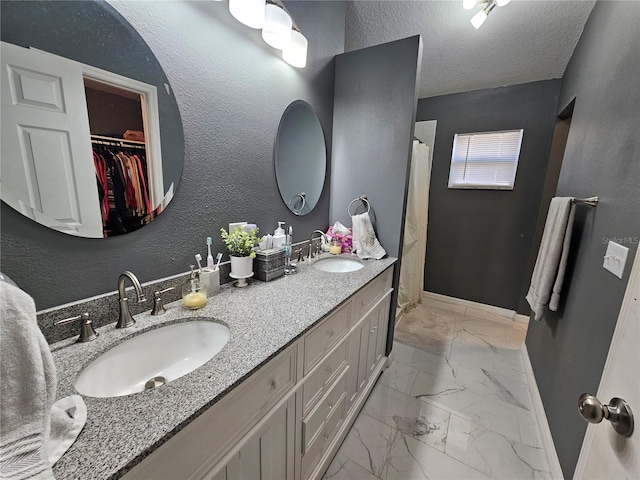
[364, 200]
[303, 196]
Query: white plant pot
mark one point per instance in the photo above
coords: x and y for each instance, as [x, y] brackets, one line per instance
[241, 267]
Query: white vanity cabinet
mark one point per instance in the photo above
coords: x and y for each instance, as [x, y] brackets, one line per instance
[287, 420]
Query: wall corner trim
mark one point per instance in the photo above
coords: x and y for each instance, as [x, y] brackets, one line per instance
[541, 417]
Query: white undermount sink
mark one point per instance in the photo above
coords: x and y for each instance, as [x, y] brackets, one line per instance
[152, 359]
[338, 265]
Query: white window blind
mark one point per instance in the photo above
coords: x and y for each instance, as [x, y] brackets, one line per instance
[485, 160]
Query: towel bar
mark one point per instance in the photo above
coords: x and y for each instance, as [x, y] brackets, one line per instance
[364, 200]
[591, 201]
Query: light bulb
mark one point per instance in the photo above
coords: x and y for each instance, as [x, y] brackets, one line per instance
[277, 27]
[248, 12]
[295, 52]
[469, 4]
[502, 3]
[478, 19]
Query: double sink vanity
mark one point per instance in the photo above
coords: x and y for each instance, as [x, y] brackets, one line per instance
[296, 359]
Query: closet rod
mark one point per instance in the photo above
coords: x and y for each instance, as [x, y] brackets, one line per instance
[118, 143]
[112, 139]
[591, 201]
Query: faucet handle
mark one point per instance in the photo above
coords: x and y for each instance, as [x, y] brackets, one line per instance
[87, 333]
[158, 306]
[300, 254]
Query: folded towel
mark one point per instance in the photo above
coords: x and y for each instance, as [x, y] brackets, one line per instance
[551, 263]
[365, 243]
[31, 432]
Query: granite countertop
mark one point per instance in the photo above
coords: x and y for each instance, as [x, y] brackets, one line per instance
[263, 319]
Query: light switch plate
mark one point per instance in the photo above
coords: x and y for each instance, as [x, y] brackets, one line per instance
[615, 258]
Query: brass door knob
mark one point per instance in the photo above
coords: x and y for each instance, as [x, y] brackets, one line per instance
[617, 412]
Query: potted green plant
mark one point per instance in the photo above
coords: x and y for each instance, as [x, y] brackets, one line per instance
[240, 245]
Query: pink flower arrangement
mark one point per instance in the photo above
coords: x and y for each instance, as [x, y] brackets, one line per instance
[345, 240]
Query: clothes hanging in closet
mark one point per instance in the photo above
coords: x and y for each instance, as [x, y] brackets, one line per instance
[122, 188]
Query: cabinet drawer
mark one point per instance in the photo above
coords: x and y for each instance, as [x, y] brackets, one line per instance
[367, 295]
[325, 436]
[320, 340]
[320, 380]
[312, 425]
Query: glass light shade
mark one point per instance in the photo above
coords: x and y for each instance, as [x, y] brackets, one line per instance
[248, 12]
[502, 3]
[295, 52]
[478, 19]
[277, 27]
[469, 4]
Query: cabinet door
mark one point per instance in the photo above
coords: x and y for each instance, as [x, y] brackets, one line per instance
[383, 325]
[353, 357]
[363, 367]
[266, 455]
[372, 346]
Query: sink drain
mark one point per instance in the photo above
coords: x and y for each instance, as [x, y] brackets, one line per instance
[154, 382]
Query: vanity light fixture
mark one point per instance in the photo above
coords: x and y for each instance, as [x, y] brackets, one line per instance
[295, 52]
[478, 19]
[277, 26]
[248, 12]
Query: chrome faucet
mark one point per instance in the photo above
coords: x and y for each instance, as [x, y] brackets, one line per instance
[324, 236]
[126, 320]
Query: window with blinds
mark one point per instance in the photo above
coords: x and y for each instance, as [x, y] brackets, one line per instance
[485, 160]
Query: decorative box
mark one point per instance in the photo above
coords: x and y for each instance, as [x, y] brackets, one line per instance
[268, 264]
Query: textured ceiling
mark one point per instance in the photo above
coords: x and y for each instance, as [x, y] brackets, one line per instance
[524, 41]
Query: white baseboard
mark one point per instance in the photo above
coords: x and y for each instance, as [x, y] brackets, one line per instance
[541, 417]
[463, 304]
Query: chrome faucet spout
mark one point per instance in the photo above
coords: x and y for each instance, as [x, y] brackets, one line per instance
[324, 236]
[125, 319]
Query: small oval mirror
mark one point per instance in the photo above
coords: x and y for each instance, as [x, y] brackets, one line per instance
[300, 157]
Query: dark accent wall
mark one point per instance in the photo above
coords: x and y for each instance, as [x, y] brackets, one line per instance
[568, 348]
[231, 89]
[478, 241]
[373, 122]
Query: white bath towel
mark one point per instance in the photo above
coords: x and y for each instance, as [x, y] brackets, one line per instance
[32, 435]
[551, 263]
[365, 242]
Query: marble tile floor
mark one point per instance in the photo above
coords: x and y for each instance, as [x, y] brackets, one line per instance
[468, 417]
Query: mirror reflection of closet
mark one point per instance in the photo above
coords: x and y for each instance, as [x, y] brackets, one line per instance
[120, 157]
[55, 92]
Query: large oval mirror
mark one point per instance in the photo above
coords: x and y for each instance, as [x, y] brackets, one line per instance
[300, 157]
[92, 141]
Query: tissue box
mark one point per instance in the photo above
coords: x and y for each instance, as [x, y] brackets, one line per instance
[268, 264]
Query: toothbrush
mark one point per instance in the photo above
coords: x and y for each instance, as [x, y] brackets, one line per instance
[218, 258]
[209, 256]
[199, 259]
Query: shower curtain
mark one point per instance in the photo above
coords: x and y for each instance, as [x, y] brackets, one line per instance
[415, 229]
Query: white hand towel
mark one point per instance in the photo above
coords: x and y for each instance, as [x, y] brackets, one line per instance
[28, 437]
[551, 263]
[365, 242]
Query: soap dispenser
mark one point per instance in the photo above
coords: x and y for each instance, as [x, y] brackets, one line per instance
[279, 238]
[194, 294]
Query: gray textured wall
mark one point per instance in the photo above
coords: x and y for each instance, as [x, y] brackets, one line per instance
[231, 89]
[568, 349]
[478, 241]
[372, 132]
[373, 123]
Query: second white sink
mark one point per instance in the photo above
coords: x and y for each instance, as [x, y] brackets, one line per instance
[152, 359]
[338, 265]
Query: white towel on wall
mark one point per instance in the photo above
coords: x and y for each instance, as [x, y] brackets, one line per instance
[35, 432]
[551, 263]
[365, 242]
